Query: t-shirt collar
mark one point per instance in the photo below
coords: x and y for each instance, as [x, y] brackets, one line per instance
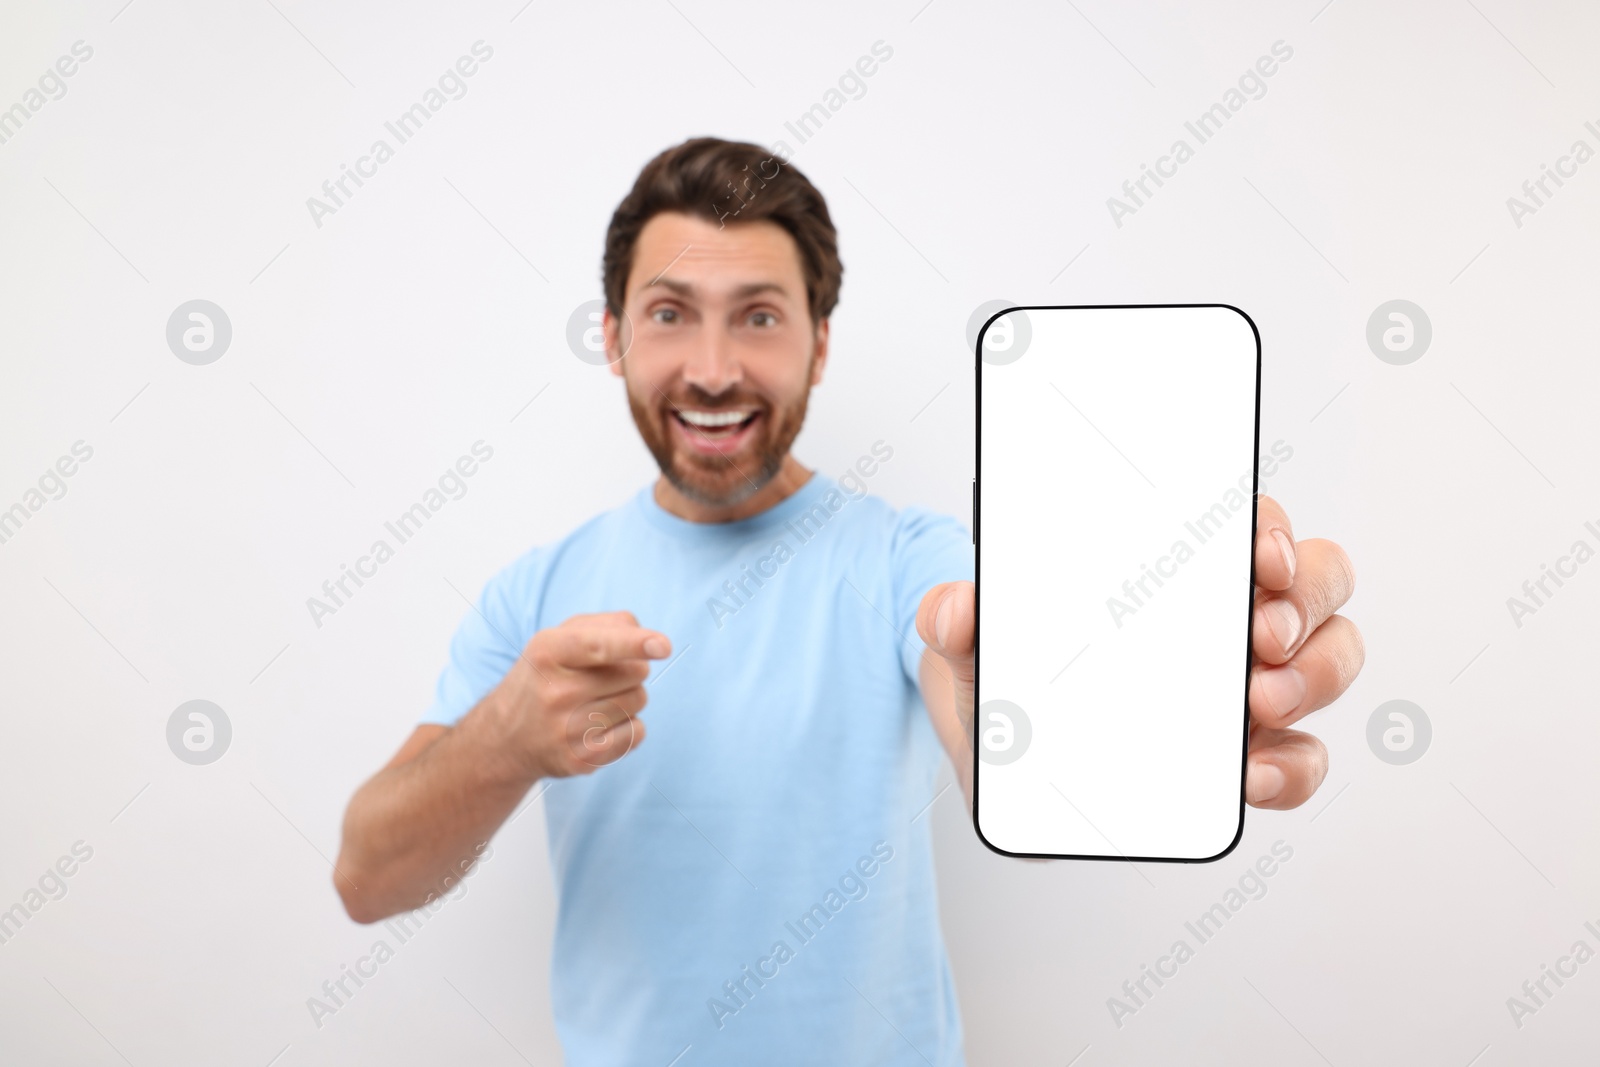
[784, 510]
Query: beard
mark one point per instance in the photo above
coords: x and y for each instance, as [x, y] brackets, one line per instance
[717, 480]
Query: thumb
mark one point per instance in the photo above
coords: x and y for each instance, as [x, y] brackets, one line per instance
[947, 620]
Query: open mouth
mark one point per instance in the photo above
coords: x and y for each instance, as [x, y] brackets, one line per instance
[715, 431]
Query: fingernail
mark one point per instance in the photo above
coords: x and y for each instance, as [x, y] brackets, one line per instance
[1283, 688]
[1284, 622]
[656, 647]
[1286, 550]
[941, 618]
[1263, 782]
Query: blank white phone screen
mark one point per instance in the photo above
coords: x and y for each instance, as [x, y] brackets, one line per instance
[1115, 528]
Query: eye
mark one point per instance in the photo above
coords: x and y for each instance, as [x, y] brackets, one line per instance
[763, 318]
[666, 315]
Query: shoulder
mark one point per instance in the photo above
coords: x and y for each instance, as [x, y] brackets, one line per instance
[914, 522]
[899, 526]
[909, 539]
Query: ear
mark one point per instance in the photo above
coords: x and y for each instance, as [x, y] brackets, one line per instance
[611, 328]
[821, 358]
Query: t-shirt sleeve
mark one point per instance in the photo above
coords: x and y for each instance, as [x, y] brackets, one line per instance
[485, 645]
[929, 549]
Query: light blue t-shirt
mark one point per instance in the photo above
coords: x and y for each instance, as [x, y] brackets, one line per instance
[755, 881]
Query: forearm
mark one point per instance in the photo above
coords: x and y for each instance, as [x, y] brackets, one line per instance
[415, 824]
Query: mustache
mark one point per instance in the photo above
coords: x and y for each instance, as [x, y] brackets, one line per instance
[703, 401]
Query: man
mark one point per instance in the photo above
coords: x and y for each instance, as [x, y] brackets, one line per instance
[751, 881]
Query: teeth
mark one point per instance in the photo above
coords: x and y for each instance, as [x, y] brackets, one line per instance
[713, 419]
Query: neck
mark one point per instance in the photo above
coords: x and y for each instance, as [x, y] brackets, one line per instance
[790, 477]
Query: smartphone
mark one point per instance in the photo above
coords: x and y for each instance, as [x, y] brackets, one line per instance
[1114, 523]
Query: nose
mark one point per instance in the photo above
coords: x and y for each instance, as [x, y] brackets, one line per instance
[713, 364]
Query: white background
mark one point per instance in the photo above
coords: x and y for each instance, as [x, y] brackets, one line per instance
[371, 352]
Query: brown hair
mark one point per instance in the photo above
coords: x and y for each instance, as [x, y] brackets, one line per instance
[727, 181]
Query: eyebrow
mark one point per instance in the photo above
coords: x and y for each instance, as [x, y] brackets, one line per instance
[748, 290]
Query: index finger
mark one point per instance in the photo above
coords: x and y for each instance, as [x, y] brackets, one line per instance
[1275, 548]
[597, 644]
[604, 618]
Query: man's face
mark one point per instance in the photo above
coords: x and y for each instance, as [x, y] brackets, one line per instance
[719, 352]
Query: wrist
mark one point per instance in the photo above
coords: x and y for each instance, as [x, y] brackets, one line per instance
[498, 729]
